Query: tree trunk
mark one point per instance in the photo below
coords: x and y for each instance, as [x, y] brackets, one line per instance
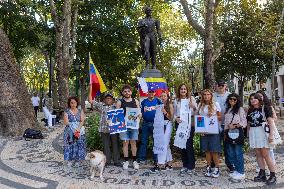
[241, 91]
[207, 34]
[208, 46]
[64, 54]
[16, 111]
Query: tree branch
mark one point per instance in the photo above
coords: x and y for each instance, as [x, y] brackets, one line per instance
[54, 13]
[217, 52]
[192, 22]
[73, 34]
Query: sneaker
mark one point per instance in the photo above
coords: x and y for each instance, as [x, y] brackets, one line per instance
[142, 162]
[77, 164]
[239, 176]
[69, 164]
[155, 169]
[215, 173]
[135, 165]
[117, 164]
[183, 170]
[233, 174]
[208, 172]
[125, 165]
[169, 167]
[271, 180]
[163, 169]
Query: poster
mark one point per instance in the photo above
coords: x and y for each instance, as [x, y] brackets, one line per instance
[158, 132]
[115, 120]
[132, 118]
[205, 124]
[184, 128]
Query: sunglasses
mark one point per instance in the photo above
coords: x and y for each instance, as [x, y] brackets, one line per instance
[221, 85]
[234, 99]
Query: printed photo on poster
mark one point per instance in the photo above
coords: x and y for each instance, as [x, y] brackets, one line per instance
[132, 118]
[116, 122]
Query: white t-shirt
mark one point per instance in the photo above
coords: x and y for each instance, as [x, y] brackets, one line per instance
[35, 100]
[204, 111]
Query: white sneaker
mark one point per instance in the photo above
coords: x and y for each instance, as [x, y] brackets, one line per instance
[215, 173]
[135, 165]
[239, 176]
[208, 172]
[233, 174]
[125, 165]
[69, 164]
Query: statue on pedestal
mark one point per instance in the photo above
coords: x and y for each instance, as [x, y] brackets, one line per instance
[149, 31]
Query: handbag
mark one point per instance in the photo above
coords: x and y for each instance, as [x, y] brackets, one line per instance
[234, 136]
[277, 138]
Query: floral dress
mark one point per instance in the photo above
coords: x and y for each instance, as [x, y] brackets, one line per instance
[74, 149]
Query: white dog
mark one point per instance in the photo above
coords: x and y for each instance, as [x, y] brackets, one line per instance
[97, 161]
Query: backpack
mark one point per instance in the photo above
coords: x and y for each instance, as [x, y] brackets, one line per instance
[33, 134]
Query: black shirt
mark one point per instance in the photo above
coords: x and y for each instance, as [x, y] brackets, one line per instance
[255, 115]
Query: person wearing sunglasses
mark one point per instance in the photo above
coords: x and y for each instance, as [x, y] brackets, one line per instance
[235, 121]
[260, 114]
[220, 95]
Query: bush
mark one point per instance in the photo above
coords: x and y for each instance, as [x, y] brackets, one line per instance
[93, 136]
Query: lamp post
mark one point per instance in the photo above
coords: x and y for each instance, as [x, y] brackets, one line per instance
[192, 70]
[77, 70]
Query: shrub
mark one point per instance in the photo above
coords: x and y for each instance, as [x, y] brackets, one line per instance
[93, 136]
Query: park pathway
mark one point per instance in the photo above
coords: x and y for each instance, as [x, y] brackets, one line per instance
[39, 164]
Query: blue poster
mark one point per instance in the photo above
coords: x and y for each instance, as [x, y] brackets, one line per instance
[115, 120]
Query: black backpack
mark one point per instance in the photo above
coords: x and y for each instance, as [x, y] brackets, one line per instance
[33, 134]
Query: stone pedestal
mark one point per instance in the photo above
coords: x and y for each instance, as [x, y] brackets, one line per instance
[154, 73]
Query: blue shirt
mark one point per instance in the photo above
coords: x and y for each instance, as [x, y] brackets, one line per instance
[148, 109]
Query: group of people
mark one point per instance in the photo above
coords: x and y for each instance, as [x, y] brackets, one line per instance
[232, 117]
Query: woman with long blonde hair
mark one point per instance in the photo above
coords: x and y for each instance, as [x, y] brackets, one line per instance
[210, 143]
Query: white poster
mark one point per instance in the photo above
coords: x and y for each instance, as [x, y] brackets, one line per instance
[184, 128]
[158, 132]
[132, 118]
[206, 125]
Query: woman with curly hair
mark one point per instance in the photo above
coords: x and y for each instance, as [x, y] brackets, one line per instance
[74, 133]
[210, 143]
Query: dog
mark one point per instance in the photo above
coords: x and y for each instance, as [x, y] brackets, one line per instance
[97, 161]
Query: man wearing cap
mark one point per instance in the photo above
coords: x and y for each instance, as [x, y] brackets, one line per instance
[107, 138]
[148, 109]
[221, 96]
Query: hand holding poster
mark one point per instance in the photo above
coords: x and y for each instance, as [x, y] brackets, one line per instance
[132, 118]
[206, 125]
[115, 120]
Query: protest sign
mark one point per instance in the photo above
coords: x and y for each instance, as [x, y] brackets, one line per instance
[131, 118]
[206, 125]
[115, 120]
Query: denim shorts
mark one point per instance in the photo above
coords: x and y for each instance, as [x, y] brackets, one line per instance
[130, 134]
[210, 143]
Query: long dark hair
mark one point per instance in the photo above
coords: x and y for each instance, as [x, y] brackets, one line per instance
[249, 103]
[237, 106]
[266, 101]
[168, 102]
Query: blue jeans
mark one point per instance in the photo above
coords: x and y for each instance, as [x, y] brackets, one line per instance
[147, 130]
[236, 156]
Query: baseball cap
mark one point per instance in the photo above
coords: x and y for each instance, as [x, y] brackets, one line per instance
[221, 82]
[108, 95]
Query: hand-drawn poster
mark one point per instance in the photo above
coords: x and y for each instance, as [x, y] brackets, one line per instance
[184, 128]
[132, 118]
[205, 124]
[158, 132]
[115, 120]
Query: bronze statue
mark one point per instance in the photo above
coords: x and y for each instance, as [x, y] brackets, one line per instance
[148, 37]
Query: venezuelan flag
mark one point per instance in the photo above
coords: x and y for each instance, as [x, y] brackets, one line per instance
[156, 84]
[96, 81]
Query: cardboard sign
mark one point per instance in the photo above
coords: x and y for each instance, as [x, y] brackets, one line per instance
[206, 125]
[115, 121]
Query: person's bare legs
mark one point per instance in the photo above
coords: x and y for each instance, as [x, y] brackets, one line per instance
[133, 147]
[266, 156]
[125, 148]
[215, 156]
[208, 158]
[259, 158]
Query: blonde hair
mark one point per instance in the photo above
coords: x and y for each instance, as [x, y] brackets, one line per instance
[211, 105]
